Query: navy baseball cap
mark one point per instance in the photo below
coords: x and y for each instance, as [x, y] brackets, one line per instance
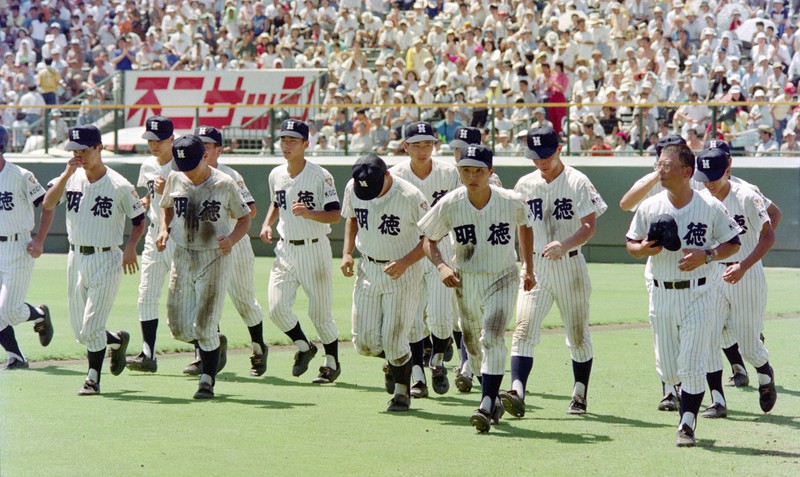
[465, 135]
[711, 165]
[420, 131]
[83, 137]
[669, 140]
[209, 134]
[3, 139]
[476, 155]
[294, 128]
[542, 143]
[157, 128]
[718, 144]
[368, 174]
[188, 152]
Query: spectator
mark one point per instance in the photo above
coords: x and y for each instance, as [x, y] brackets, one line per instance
[48, 80]
[89, 112]
[31, 104]
[123, 58]
[767, 143]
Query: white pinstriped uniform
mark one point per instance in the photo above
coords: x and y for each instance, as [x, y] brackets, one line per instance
[698, 186]
[155, 265]
[485, 261]
[199, 273]
[743, 303]
[308, 264]
[682, 319]
[557, 209]
[96, 218]
[437, 305]
[383, 308]
[241, 287]
[19, 190]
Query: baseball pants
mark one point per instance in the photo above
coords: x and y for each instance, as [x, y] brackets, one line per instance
[155, 268]
[241, 288]
[435, 310]
[16, 268]
[744, 305]
[93, 282]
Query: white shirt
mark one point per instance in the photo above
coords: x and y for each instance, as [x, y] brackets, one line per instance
[20, 192]
[314, 187]
[148, 173]
[244, 192]
[748, 209]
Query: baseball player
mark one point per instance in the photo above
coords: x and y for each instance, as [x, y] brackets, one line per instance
[98, 199]
[155, 266]
[196, 202]
[434, 179]
[20, 194]
[484, 220]
[241, 287]
[381, 213]
[303, 200]
[685, 285]
[745, 289]
[564, 206]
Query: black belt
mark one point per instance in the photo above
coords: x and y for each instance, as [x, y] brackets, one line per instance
[569, 254]
[10, 238]
[375, 260]
[728, 264]
[90, 250]
[681, 285]
[302, 242]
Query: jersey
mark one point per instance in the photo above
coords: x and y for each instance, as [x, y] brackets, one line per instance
[202, 211]
[748, 209]
[247, 197]
[698, 186]
[20, 192]
[442, 179]
[314, 187]
[148, 173]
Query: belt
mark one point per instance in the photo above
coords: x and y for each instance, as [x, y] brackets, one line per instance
[89, 250]
[728, 264]
[681, 285]
[375, 260]
[10, 238]
[569, 254]
[302, 242]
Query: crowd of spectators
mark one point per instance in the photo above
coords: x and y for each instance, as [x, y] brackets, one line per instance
[609, 59]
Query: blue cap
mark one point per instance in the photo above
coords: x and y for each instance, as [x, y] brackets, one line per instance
[83, 137]
[465, 135]
[209, 134]
[157, 128]
[718, 144]
[188, 152]
[476, 155]
[711, 165]
[669, 140]
[294, 128]
[368, 173]
[420, 131]
[542, 143]
[3, 139]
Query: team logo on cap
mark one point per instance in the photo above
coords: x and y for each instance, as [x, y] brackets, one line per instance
[463, 134]
[712, 144]
[706, 163]
[76, 134]
[537, 141]
[363, 183]
[202, 131]
[154, 125]
[421, 128]
[290, 125]
[471, 151]
[181, 154]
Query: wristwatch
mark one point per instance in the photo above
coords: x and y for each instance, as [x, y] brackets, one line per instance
[709, 256]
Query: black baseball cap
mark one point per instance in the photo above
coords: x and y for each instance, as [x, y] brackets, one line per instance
[718, 144]
[711, 165]
[83, 137]
[368, 174]
[420, 131]
[294, 128]
[209, 134]
[157, 128]
[669, 140]
[476, 155]
[465, 135]
[3, 139]
[542, 143]
[188, 152]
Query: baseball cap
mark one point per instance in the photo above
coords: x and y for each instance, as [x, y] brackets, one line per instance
[718, 144]
[669, 140]
[83, 137]
[157, 128]
[209, 134]
[3, 139]
[188, 152]
[542, 143]
[476, 155]
[465, 135]
[420, 131]
[294, 128]
[711, 165]
[368, 175]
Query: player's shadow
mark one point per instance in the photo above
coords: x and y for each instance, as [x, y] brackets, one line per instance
[781, 420]
[709, 444]
[353, 387]
[783, 390]
[612, 419]
[137, 396]
[59, 371]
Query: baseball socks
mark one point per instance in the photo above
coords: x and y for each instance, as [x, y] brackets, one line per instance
[210, 360]
[299, 338]
[490, 390]
[439, 347]
[418, 361]
[331, 354]
[521, 367]
[36, 314]
[257, 338]
[149, 329]
[764, 374]
[690, 406]
[581, 373]
[8, 340]
[735, 359]
[95, 365]
[714, 380]
[402, 378]
[465, 369]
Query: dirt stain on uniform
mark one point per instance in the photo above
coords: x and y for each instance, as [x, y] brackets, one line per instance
[191, 221]
[466, 252]
[212, 276]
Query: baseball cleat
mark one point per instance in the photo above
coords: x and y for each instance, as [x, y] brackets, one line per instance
[90, 388]
[685, 437]
[767, 395]
[497, 412]
[513, 403]
[118, 355]
[399, 403]
[715, 411]
[739, 380]
[388, 378]
[302, 358]
[258, 363]
[45, 327]
[195, 368]
[481, 420]
[577, 406]
[669, 403]
[463, 382]
[448, 352]
[14, 363]
[223, 353]
[419, 390]
[439, 377]
[328, 375]
[204, 391]
[142, 363]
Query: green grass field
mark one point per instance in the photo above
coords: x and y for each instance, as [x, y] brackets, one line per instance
[281, 425]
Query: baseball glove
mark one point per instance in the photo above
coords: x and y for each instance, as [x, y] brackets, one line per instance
[664, 230]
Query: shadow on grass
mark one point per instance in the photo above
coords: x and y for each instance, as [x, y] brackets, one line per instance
[709, 445]
[778, 419]
[59, 371]
[611, 419]
[135, 396]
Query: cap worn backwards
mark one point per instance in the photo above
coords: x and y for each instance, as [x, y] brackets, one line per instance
[83, 137]
[542, 143]
[711, 165]
[294, 128]
[368, 176]
[188, 152]
[465, 135]
[158, 128]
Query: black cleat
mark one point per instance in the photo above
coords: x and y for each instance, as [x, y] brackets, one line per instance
[419, 390]
[45, 327]
[328, 375]
[14, 363]
[118, 355]
[669, 403]
[204, 391]
[448, 352]
[258, 363]
[739, 380]
[513, 403]
[142, 363]
[302, 358]
[440, 382]
[463, 382]
[481, 420]
[399, 403]
[715, 411]
[767, 395]
[577, 406]
[90, 388]
[195, 368]
[685, 437]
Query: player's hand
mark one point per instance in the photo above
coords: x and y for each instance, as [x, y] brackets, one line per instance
[129, 264]
[347, 265]
[299, 209]
[225, 245]
[266, 234]
[734, 273]
[35, 248]
[448, 276]
[161, 240]
[528, 280]
[553, 250]
[74, 164]
[649, 248]
[692, 259]
[395, 269]
[158, 185]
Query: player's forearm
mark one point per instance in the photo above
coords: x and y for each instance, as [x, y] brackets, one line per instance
[54, 193]
[765, 242]
[639, 190]
[136, 234]
[166, 219]
[350, 230]
[635, 249]
[415, 255]
[45, 222]
[325, 216]
[775, 215]
[431, 249]
[582, 235]
[724, 250]
[272, 215]
[240, 229]
[526, 246]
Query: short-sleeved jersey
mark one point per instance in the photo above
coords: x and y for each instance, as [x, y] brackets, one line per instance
[20, 192]
[96, 211]
[484, 239]
[387, 226]
[314, 187]
[201, 211]
[442, 179]
[244, 192]
[148, 173]
[702, 224]
[750, 213]
[558, 207]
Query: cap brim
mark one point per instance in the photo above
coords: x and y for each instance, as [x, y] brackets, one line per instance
[541, 153]
[421, 137]
[472, 163]
[151, 136]
[208, 139]
[458, 143]
[368, 193]
[291, 134]
[708, 176]
[187, 165]
[75, 146]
